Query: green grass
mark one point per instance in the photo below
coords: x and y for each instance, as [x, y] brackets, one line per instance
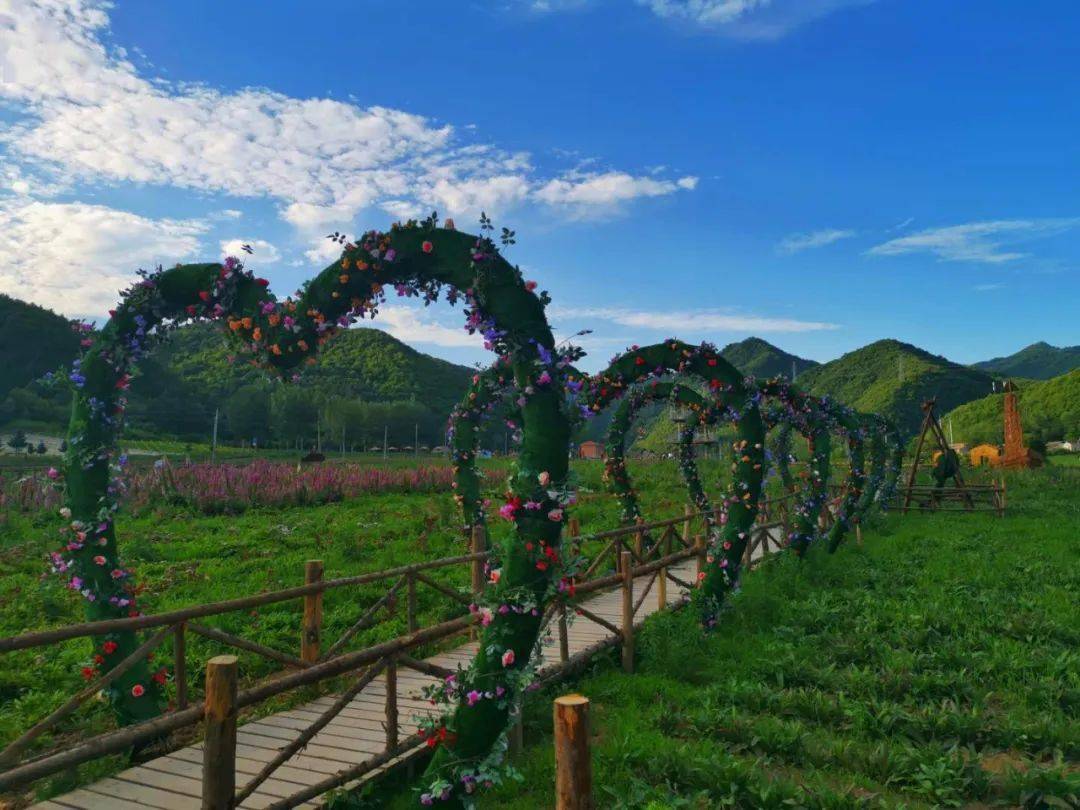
[939, 665]
[887, 675]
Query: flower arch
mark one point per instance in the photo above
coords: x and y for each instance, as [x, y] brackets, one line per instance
[794, 409]
[416, 260]
[615, 472]
[738, 404]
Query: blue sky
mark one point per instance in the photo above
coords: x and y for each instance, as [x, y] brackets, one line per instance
[821, 173]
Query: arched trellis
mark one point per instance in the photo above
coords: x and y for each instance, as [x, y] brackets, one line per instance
[615, 472]
[801, 412]
[848, 424]
[416, 259]
[737, 402]
[893, 465]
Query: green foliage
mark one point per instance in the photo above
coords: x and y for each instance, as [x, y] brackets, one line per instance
[33, 341]
[755, 357]
[893, 379]
[935, 667]
[1039, 361]
[1049, 411]
[17, 440]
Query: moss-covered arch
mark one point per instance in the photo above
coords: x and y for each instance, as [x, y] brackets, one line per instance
[415, 260]
[737, 404]
[848, 424]
[615, 473]
[802, 412]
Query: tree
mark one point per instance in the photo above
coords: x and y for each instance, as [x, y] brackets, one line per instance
[18, 440]
[248, 413]
[42, 449]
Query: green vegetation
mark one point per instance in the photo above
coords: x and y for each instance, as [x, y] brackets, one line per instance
[33, 340]
[1049, 411]
[755, 357]
[893, 379]
[1039, 361]
[937, 666]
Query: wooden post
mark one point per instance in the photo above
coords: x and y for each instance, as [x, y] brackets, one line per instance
[661, 575]
[391, 705]
[219, 747]
[180, 665]
[627, 612]
[858, 533]
[688, 514]
[479, 546]
[699, 547]
[564, 638]
[313, 610]
[617, 551]
[573, 526]
[639, 540]
[573, 765]
[517, 736]
[410, 601]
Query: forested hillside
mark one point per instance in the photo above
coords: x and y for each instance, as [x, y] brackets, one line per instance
[33, 340]
[1049, 411]
[894, 378]
[755, 357]
[1039, 361]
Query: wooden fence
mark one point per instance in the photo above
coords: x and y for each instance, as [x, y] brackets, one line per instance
[645, 550]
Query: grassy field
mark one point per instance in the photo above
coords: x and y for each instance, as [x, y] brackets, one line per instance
[807, 636]
[937, 666]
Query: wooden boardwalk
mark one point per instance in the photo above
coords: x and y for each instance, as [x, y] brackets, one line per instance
[174, 781]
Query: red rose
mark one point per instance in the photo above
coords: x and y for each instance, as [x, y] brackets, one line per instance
[88, 673]
[138, 690]
[204, 295]
[262, 282]
[427, 247]
[109, 647]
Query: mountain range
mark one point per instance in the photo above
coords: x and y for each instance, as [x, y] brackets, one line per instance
[186, 379]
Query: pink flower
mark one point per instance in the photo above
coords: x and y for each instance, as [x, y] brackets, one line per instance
[556, 515]
[493, 577]
[544, 478]
[473, 697]
[530, 285]
[53, 473]
[508, 658]
[427, 247]
[99, 560]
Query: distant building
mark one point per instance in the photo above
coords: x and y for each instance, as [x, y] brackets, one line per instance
[591, 450]
[985, 454]
[1062, 447]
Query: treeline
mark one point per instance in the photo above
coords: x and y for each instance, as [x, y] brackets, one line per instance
[1049, 411]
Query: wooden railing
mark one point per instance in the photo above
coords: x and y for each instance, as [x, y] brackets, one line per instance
[634, 552]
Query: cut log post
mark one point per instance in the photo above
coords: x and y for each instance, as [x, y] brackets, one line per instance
[573, 765]
[219, 747]
[410, 601]
[180, 665]
[639, 540]
[479, 546]
[858, 533]
[687, 529]
[627, 612]
[564, 637]
[391, 705]
[313, 614]
[661, 577]
[699, 547]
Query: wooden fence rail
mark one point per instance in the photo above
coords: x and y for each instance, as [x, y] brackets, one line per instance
[631, 554]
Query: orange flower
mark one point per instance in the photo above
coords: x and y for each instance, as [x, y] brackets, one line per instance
[247, 323]
[361, 265]
[275, 349]
[257, 334]
[344, 264]
[344, 278]
[274, 319]
[302, 344]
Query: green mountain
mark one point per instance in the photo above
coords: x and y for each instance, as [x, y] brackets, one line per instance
[1049, 411]
[759, 358]
[33, 341]
[894, 378]
[1039, 361]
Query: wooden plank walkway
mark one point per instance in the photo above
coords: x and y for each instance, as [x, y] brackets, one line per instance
[174, 781]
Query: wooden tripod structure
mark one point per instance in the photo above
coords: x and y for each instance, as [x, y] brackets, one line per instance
[932, 427]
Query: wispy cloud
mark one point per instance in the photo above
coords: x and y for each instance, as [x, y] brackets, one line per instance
[407, 325]
[986, 242]
[75, 258]
[796, 242]
[685, 321]
[89, 114]
[263, 252]
[747, 19]
[988, 287]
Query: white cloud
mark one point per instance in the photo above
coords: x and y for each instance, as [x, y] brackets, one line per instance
[984, 242]
[408, 326]
[323, 251]
[793, 243]
[605, 191]
[75, 258]
[91, 115]
[686, 321]
[747, 19]
[263, 252]
[988, 287]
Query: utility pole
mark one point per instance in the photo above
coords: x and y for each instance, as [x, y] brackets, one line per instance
[385, 440]
[506, 443]
[416, 440]
[318, 434]
[213, 439]
[793, 371]
[952, 439]
[342, 440]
